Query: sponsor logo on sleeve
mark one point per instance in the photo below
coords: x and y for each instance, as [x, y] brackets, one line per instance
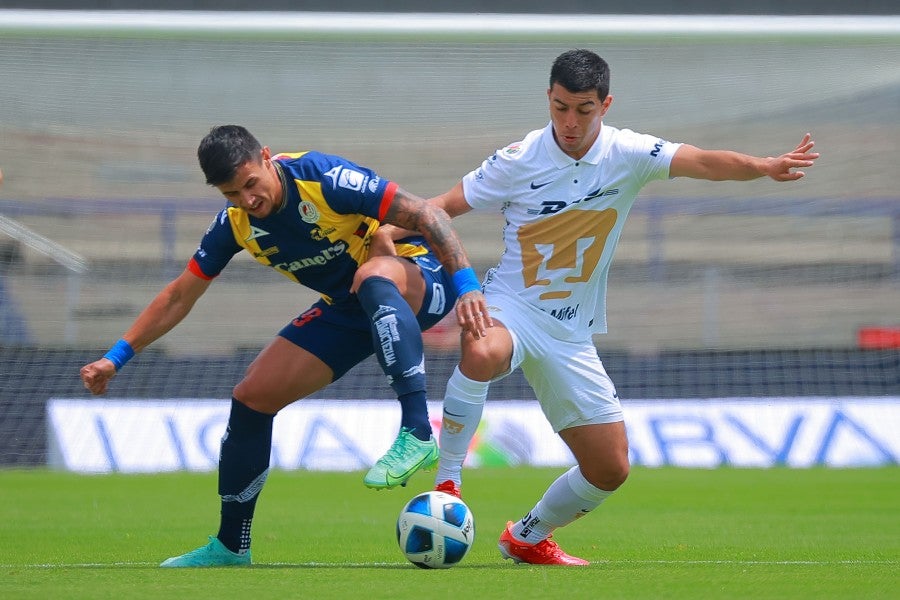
[513, 149]
[657, 148]
[351, 180]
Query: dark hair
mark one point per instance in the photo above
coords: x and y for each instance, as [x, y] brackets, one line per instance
[224, 149]
[579, 71]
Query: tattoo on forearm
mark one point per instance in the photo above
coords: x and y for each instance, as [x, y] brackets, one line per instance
[434, 225]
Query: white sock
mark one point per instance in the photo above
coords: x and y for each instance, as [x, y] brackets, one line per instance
[569, 497]
[463, 405]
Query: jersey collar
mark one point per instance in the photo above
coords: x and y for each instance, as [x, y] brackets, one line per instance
[284, 185]
[561, 159]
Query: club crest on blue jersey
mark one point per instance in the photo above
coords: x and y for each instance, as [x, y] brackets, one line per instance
[308, 211]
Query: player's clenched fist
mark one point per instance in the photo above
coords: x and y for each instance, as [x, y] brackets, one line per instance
[97, 374]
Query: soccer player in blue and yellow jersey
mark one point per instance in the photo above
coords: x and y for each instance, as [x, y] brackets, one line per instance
[311, 217]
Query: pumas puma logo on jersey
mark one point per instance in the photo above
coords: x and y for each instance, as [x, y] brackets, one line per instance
[537, 186]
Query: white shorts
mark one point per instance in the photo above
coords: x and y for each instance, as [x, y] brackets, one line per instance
[568, 378]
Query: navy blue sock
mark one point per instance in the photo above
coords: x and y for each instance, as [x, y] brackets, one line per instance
[398, 346]
[243, 468]
[414, 414]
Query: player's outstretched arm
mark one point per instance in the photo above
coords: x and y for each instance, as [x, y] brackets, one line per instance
[164, 312]
[726, 165]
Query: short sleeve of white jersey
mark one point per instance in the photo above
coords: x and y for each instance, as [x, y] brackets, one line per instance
[647, 156]
[490, 185]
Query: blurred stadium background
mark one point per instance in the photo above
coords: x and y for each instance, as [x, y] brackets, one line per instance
[718, 289]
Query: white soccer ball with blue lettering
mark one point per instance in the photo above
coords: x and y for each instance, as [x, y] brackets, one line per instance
[435, 530]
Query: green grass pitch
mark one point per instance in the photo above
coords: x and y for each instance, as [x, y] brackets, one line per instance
[668, 533]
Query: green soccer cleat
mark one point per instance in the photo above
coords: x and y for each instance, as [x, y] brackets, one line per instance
[214, 554]
[407, 455]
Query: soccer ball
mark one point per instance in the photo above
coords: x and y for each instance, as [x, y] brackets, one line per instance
[435, 530]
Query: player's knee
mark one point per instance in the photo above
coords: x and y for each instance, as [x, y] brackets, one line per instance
[609, 475]
[247, 401]
[618, 476]
[375, 267]
[250, 397]
[358, 277]
[482, 360]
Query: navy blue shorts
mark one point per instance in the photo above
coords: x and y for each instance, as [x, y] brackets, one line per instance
[341, 336]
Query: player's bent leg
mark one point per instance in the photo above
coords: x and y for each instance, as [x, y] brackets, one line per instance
[390, 296]
[213, 554]
[397, 340]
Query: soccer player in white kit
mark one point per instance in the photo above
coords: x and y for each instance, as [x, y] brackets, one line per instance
[565, 191]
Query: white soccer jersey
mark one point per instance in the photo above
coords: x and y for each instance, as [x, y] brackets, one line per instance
[564, 218]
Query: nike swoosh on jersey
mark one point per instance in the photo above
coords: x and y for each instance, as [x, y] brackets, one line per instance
[537, 186]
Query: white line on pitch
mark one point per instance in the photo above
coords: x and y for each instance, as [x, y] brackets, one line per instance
[395, 564]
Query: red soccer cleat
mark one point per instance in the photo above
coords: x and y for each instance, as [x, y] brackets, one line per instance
[448, 487]
[545, 552]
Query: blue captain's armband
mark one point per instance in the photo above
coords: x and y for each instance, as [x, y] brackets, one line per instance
[120, 353]
[466, 281]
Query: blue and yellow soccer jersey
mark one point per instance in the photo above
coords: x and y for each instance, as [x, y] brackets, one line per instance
[320, 235]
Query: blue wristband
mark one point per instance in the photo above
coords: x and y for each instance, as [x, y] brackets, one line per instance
[466, 281]
[120, 353]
